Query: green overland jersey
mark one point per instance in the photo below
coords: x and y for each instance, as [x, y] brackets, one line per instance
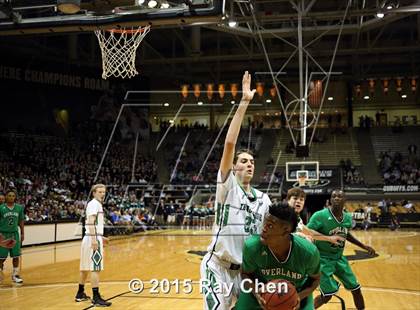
[326, 223]
[302, 261]
[10, 218]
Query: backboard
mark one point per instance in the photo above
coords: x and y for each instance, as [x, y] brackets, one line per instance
[113, 14]
[296, 168]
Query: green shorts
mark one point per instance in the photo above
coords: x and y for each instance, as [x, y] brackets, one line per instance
[15, 251]
[339, 268]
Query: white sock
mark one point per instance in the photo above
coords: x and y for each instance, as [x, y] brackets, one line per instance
[15, 271]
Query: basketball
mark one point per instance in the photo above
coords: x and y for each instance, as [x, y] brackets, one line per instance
[282, 299]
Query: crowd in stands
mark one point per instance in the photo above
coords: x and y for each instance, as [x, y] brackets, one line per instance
[351, 174]
[53, 175]
[185, 169]
[397, 169]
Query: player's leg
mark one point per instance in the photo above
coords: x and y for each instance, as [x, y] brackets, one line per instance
[96, 266]
[307, 303]
[85, 252]
[349, 280]
[2, 260]
[328, 285]
[81, 295]
[212, 277]
[15, 253]
[358, 299]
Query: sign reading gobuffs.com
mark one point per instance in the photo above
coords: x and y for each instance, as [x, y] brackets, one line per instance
[401, 188]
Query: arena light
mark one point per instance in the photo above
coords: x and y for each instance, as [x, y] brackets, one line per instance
[166, 104]
[380, 14]
[152, 4]
[232, 23]
[139, 2]
[232, 102]
[268, 100]
[330, 98]
[164, 5]
[366, 97]
[200, 103]
[404, 96]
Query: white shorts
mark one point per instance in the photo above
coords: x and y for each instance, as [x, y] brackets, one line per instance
[91, 260]
[217, 274]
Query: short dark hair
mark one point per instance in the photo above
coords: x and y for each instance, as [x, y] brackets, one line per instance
[284, 213]
[296, 192]
[241, 151]
[10, 191]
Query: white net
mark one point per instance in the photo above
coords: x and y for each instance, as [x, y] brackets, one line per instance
[119, 51]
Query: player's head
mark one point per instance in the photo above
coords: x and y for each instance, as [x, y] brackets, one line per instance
[243, 164]
[10, 196]
[338, 198]
[98, 192]
[280, 221]
[296, 198]
[2, 198]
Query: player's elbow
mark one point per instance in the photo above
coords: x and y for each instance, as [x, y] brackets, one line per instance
[230, 143]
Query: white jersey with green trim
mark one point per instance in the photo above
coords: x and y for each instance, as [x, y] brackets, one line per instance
[94, 207]
[238, 215]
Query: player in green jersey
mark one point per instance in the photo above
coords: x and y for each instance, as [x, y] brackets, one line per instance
[296, 199]
[335, 221]
[11, 217]
[278, 254]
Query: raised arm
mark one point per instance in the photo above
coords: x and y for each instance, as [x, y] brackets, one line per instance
[235, 126]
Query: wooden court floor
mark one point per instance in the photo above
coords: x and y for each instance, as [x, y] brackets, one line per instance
[50, 273]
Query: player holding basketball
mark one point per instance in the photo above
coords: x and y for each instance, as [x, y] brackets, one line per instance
[11, 218]
[279, 254]
[296, 199]
[240, 211]
[92, 251]
[6, 243]
[335, 221]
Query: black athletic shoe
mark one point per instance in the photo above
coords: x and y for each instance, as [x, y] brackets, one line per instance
[81, 297]
[99, 302]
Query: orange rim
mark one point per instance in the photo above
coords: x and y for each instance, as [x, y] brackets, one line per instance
[128, 31]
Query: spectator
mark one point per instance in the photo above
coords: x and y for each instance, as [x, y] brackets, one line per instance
[409, 207]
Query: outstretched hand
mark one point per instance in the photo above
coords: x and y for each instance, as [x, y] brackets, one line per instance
[247, 93]
[370, 250]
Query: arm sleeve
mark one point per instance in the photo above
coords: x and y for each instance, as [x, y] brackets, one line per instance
[248, 263]
[314, 222]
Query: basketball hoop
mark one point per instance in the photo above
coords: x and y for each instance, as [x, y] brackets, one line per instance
[118, 47]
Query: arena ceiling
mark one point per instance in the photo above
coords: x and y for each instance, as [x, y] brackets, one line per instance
[189, 45]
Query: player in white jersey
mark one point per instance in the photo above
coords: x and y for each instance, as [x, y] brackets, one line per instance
[296, 199]
[92, 250]
[240, 211]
